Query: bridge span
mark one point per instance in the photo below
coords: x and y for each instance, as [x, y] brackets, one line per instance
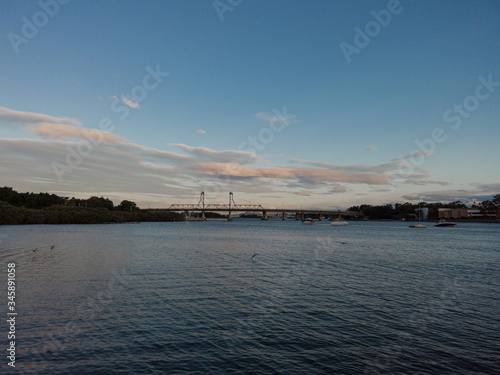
[233, 207]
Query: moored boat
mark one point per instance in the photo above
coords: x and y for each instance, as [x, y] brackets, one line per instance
[338, 222]
[418, 226]
[444, 223]
[309, 221]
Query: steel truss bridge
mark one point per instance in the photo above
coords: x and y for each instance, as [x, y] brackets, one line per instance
[231, 206]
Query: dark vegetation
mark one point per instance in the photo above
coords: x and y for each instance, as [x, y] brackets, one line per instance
[44, 208]
[250, 216]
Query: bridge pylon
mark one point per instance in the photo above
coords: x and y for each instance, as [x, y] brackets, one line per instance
[202, 201]
[231, 200]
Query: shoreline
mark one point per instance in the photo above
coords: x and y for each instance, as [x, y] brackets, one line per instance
[179, 221]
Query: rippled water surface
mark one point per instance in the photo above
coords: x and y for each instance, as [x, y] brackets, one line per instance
[191, 298]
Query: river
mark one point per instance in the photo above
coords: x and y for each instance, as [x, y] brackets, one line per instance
[253, 297]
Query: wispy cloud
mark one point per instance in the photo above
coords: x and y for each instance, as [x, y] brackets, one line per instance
[492, 188]
[371, 148]
[66, 132]
[396, 169]
[14, 116]
[131, 103]
[338, 189]
[214, 168]
[427, 182]
[362, 168]
[302, 193]
[51, 127]
[199, 131]
[228, 156]
[110, 169]
[277, 117]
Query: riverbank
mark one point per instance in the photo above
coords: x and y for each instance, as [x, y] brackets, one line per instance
[11, 215]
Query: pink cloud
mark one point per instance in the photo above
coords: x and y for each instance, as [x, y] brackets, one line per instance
[64, 131]
[51, 127]
[31, 117]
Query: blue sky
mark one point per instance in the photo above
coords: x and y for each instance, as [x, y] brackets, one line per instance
[174, 92]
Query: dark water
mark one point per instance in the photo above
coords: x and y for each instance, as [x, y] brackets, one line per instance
[186, 298]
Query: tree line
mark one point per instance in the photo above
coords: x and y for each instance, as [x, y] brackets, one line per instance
[44, 208]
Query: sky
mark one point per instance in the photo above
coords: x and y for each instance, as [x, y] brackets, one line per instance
[285, 103]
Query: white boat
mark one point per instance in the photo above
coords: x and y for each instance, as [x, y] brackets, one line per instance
[444, 223]
[419, 225]
[309, 221]
[338, 222]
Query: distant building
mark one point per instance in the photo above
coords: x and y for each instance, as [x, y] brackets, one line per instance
[474, 214]
[453, 213]
[464, 213]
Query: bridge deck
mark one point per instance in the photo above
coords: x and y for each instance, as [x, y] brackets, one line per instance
[225, 208]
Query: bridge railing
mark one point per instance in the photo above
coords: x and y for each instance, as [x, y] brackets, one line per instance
[247, 207]
[216, 206]
[185, 207]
